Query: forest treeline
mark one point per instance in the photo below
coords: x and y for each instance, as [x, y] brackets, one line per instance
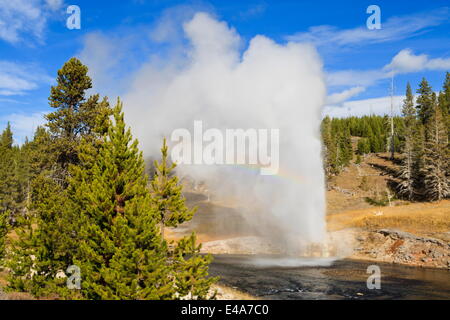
[79, 207]
[420, 140]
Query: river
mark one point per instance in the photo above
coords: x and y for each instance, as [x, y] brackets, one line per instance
[293, 279]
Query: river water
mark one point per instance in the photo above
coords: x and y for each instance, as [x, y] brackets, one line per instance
[271, 277]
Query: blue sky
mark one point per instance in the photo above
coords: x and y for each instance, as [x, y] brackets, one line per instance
[413, 42]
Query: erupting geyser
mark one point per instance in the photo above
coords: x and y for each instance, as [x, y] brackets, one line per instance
[228, 84]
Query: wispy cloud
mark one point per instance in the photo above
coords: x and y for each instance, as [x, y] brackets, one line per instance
[344, 95]
[379, 106]
[253, 11]
[17, 79]
[395, 28]
[21, 19]
[23, 125]
[403, 62]
[406, 61]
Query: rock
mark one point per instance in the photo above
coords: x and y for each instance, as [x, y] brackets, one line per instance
[397, 234]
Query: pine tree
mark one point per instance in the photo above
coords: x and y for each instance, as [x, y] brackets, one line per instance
[330, 147]
[445, 97]
[3, 232]
[444, 104]
[40, 157]
[6, 139]
[424, 102]
[51, 153]
[327, 145]
[191, 270]
[418, 150]
[166, 194]
[75, 116]
[445, 107]
[407, 172]
[121, 255]
[21, 257]
[346, 147]
[9, 175]
[7, 183]
[120, 252]
[363, 146]
[189, 267]
[436, 158]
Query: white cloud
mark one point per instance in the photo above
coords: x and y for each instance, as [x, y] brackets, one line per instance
[23, 18]
[169, 26]
[254, 10]
[23, 125]
[344, 95]
[394, 29]
[102, 56]
[378, 106]
[54, 4]
[403, 62]
[17, 79]
[406, 61]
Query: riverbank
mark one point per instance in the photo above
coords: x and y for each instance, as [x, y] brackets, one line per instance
[384, 245]
[415, 234]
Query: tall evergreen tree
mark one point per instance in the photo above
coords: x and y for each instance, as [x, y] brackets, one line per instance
[407, 172]
[444, 104]
[436, 157]
[121, 252]
[9, 174]
[425, 102]
[445, 98]
[3, 232]
[329, 148]
[75, 115]
[189, 268]
[52, 153]
[346, 147]
[166, 194]
[363, 146]
[6, 139]
[41, 161]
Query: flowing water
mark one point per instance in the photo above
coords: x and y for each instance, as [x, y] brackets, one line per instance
[269, 277]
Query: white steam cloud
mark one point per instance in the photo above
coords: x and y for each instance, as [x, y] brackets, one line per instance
[265, 86]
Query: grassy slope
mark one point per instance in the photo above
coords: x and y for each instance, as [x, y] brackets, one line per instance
[347, 207]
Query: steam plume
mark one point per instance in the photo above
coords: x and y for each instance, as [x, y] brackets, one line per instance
[265, 85]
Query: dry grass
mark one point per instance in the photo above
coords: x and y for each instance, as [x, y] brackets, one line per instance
[418, 218]
[352, 211]
[228, 293]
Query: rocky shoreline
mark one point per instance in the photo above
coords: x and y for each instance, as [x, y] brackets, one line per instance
[395, 246]
[384, 245]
